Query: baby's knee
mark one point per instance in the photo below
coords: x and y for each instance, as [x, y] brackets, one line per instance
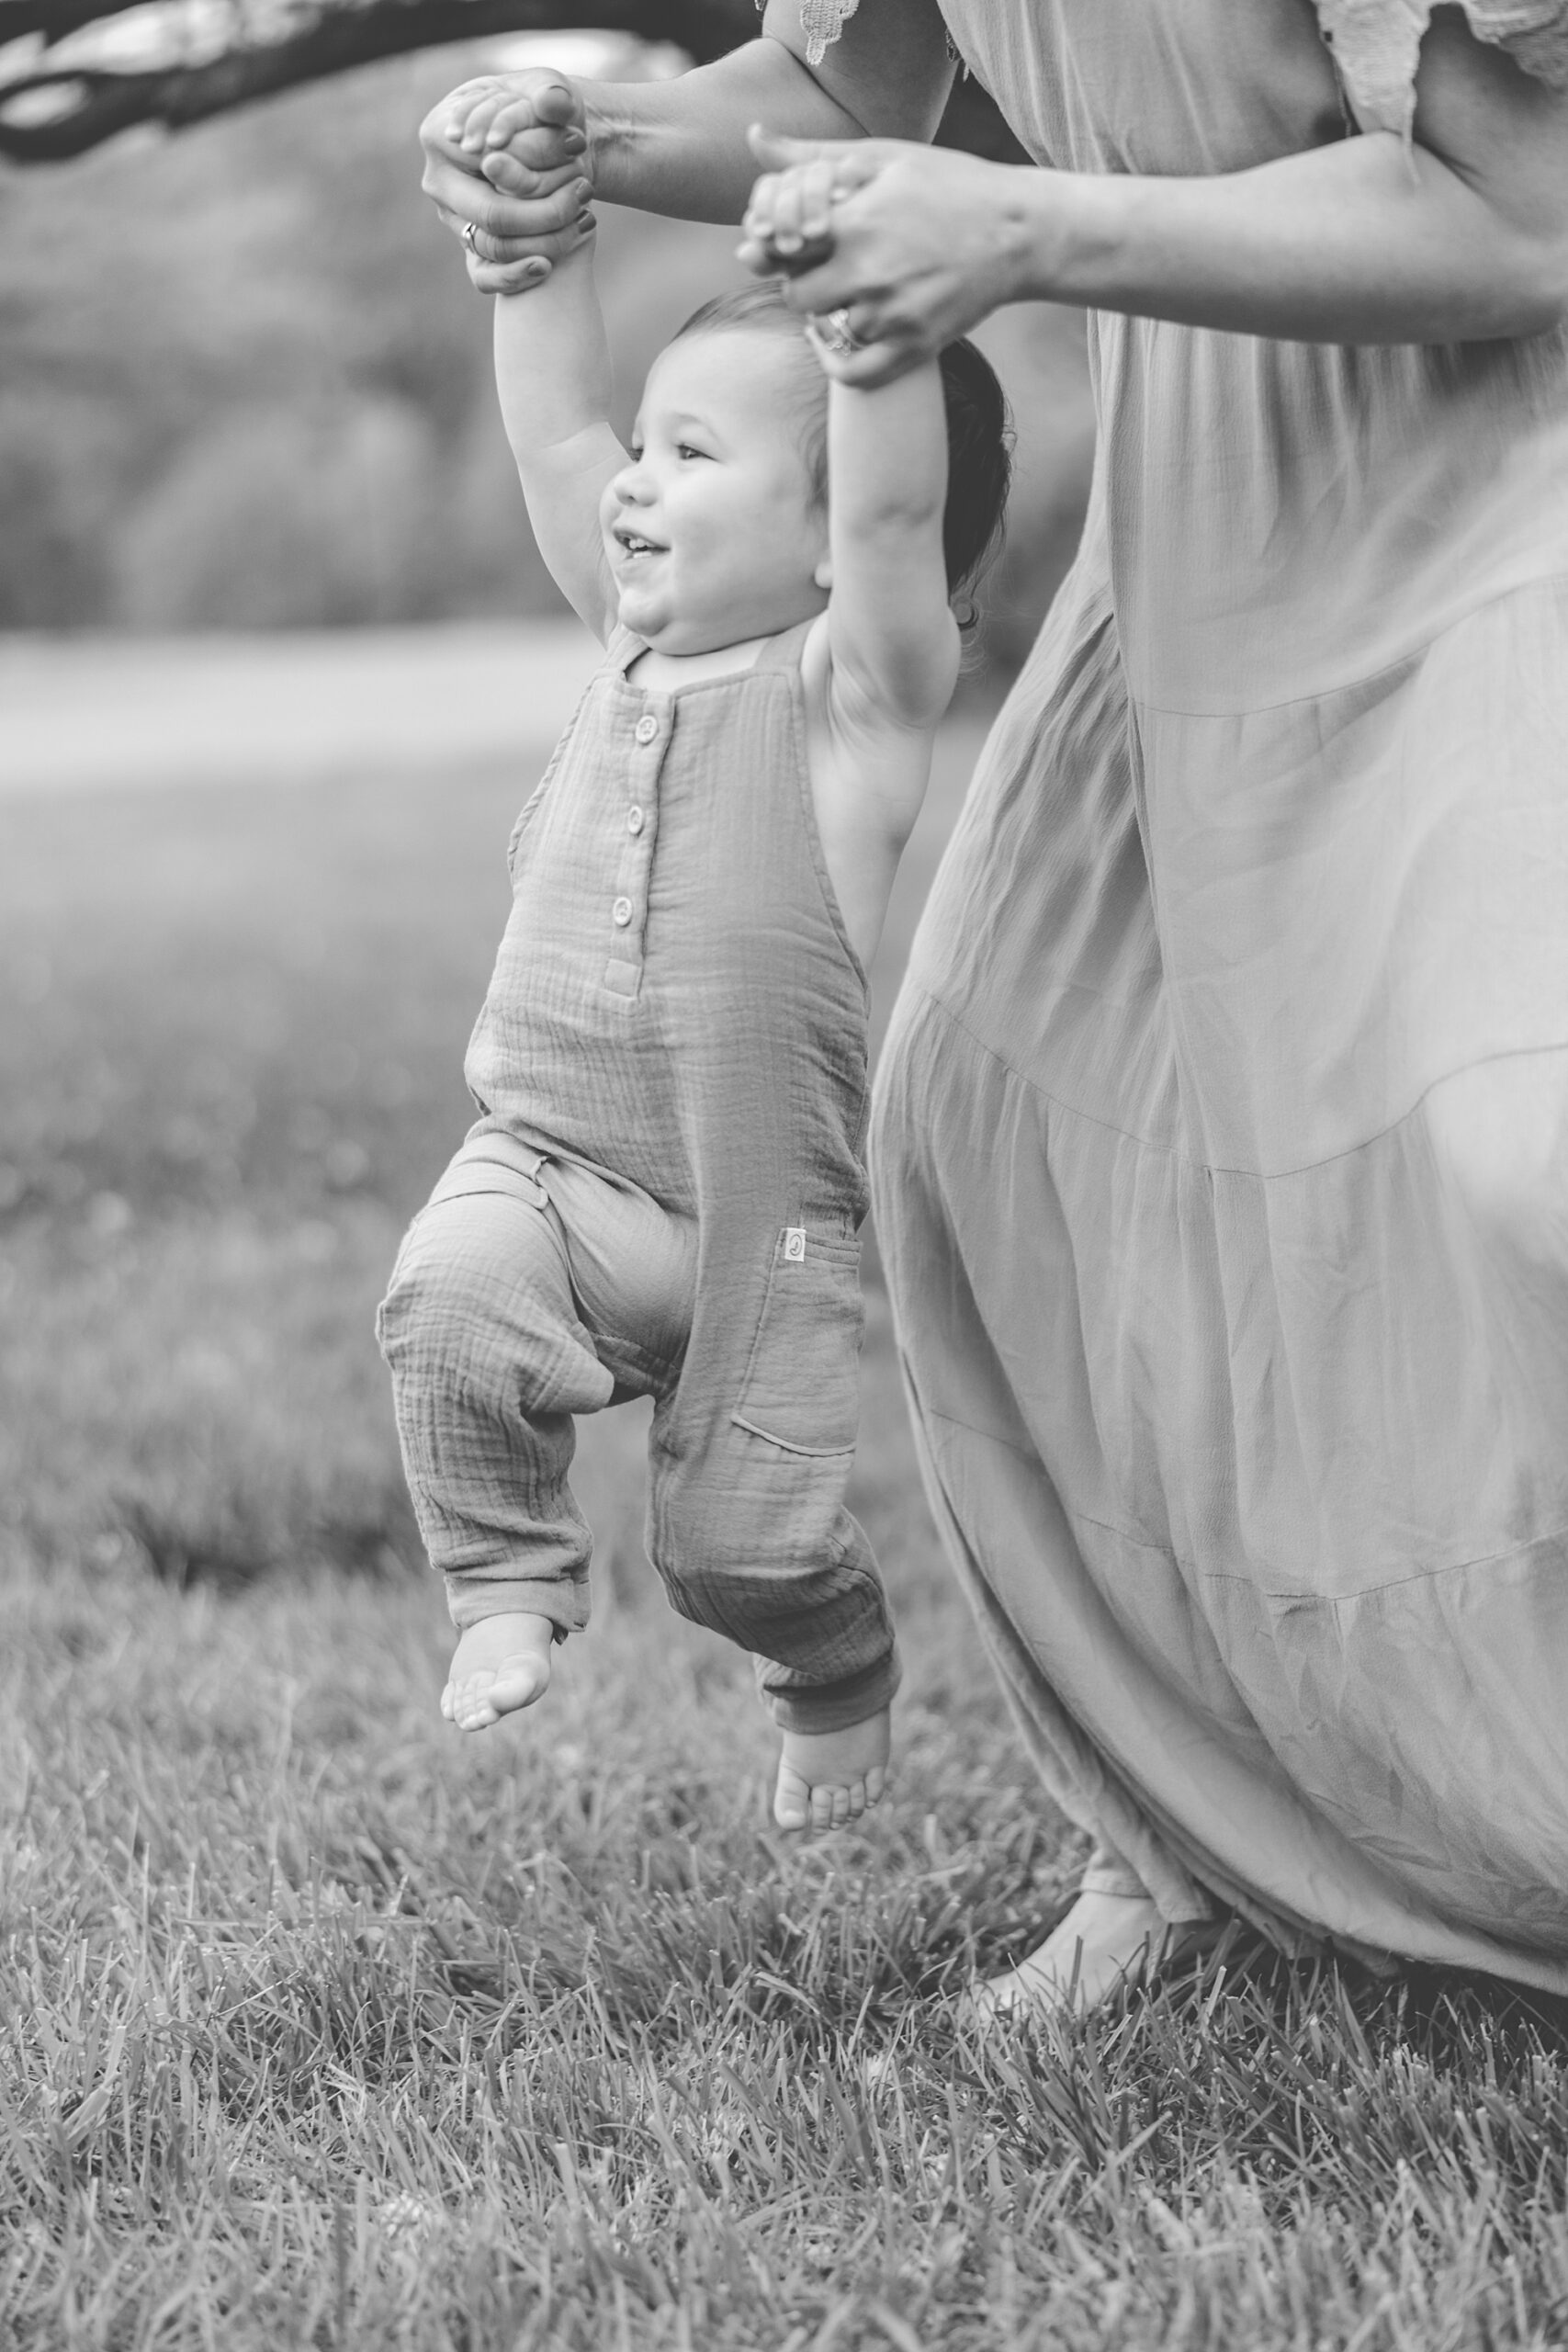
[472, 1309]
[442, 1289]
[1500, 1136]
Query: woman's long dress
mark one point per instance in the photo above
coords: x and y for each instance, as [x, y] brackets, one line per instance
[1222, 1178]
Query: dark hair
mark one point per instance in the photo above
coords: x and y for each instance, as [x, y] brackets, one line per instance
[979, 433]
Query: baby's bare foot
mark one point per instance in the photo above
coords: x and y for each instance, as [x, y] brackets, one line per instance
[499, 1665]
[829, 1777]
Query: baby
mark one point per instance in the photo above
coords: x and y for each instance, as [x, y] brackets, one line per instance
[662, 1195]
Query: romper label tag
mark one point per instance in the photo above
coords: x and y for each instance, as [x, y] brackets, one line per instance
[795, 1242]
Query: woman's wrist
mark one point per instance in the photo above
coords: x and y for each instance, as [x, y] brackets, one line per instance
[609, 159]
[1353, 243]
[1061, 234]
[679, 147]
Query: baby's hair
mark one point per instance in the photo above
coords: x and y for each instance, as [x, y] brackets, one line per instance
[979, 434]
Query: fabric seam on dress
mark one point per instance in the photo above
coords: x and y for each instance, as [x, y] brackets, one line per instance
[1224, 1576]
[1216, 1166]
[1558, 578]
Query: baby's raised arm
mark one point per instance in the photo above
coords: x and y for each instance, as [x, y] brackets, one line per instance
[553, 373]
[892, 637]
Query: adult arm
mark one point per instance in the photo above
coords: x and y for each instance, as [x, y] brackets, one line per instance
[679, 146]
[1462, 236]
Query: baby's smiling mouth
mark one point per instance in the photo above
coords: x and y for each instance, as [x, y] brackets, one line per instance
[632, 543]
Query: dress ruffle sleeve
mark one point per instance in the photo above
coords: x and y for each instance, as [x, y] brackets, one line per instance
[1377, 43]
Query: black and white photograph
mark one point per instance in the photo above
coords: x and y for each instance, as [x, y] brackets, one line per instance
[784, 1175]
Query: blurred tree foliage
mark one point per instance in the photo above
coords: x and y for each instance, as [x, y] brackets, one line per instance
[73, 73]
[244, 382]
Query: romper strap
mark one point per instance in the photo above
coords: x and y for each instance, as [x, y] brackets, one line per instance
[622, 649]
[784, 651]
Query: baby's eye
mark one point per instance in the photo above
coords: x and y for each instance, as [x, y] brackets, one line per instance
[685, 449]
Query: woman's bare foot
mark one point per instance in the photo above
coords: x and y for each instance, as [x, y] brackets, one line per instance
[1106, 1941]
[499, 1665]
[827, 1778]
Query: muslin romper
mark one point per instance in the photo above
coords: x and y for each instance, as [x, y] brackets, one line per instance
[662, 1196]
[1221, 1150]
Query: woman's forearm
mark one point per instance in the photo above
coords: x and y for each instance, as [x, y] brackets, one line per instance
[679, 147]
[1362, 242]
[1460, 235]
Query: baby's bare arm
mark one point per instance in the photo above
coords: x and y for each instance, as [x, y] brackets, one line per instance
[552, 371]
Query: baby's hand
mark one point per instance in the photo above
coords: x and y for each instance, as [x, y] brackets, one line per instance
[789, 215]
[827, 1778]
[505, 169]
[500, 1664]
[542, 124]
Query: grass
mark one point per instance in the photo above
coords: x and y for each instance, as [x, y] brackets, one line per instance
[322, 2027]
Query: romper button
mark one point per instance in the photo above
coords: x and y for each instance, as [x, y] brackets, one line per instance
[634, 821]
[647, 728]
[621, 913]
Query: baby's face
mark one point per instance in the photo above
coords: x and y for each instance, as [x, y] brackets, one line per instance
[711, 530]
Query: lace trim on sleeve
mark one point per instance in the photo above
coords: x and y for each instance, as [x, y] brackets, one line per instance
[1534, 32]
[1376, 44]
[822, 21]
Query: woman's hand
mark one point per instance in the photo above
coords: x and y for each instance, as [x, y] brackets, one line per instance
[504, 166]
[913, 244]
[1461, 238]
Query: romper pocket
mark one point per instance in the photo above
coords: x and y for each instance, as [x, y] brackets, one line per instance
[802, 1384]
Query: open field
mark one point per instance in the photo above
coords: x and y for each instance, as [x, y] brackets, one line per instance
[319, 2026]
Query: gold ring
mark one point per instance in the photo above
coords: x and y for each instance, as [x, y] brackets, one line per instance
[835, 334]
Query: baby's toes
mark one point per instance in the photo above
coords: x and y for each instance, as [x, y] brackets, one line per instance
[792, 1799]
[472, 1708]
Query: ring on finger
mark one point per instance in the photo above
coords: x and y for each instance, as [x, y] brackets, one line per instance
[835, 334]
[470, 233]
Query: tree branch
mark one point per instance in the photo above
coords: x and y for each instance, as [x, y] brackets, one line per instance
[54, 19]
[53, 114]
